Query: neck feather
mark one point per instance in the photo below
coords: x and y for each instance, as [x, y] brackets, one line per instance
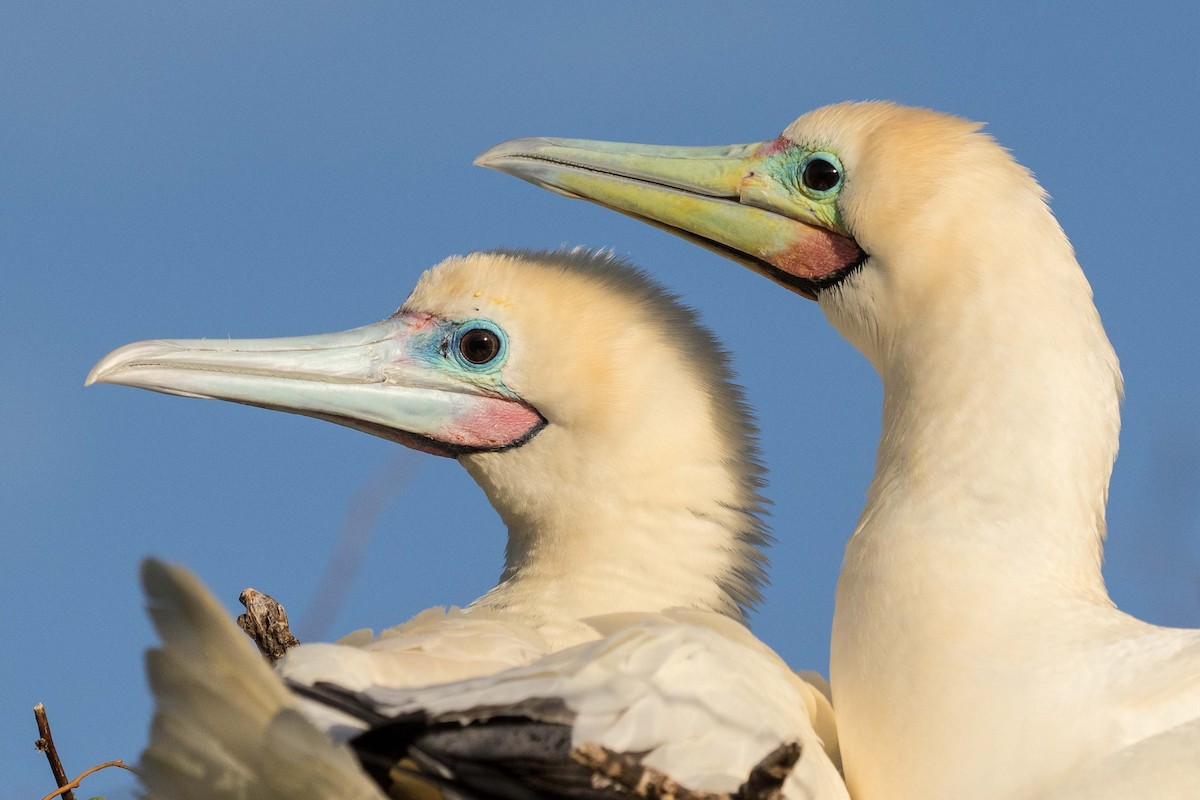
[1001, 415]
[660, 511]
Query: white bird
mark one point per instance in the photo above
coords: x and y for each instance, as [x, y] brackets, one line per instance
[600, 419]
[976, 652]
[225, 726]
[690, 693]
[596, 413]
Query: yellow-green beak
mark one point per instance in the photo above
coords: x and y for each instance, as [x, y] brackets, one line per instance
[736, 200]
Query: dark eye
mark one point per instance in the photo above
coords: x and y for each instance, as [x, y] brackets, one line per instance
[821, 175]
[479, 345]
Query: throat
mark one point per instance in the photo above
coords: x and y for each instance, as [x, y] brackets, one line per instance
[999, 435]
[690, 537]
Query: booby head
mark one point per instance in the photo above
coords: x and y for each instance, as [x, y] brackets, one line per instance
[934, 253]
[434, 382]
[971, 590]
[874, 209]
[587, 402]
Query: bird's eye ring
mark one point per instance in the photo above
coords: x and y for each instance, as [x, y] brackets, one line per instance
[479, 343]
[821, 173]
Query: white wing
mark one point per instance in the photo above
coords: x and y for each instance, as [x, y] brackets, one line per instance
[225, 727]
[1165, 766]
[436, 646]
[694, 692]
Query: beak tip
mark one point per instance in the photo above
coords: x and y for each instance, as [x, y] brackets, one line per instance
[103, 369]
[496, 156]
[97, 373]
[111, 368]
[493, 155]
[487, 158]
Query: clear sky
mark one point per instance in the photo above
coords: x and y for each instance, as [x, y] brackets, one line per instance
[266, 169]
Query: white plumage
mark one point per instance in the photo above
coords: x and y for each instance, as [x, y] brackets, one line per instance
[637, 491]
[975, 650]
[623, 462]
[694, 691]
[224, 724]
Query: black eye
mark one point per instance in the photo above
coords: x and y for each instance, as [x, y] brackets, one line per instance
[821, 175]
[479, 345]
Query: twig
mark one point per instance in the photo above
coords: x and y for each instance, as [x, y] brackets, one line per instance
[65, 791]
[266, 622]
[46, 745]
[768, 776]
[625, 772]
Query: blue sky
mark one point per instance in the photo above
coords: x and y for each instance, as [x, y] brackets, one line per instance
[231, 169]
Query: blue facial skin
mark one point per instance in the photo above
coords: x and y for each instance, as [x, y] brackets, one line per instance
[787, 167]
[494, 363]
[440, 347]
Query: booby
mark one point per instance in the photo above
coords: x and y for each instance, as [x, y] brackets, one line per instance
[975, 652]
[600, 418]
[596, 413]
[691, 694]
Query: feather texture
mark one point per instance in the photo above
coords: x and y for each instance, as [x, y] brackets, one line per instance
[976, 652]
[224, 724]
[637, 493]
[693, 694]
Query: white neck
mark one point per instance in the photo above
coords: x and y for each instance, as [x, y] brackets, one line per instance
[973, 577]
[660, 510]
[639, 550]
[1001, 444]
[1000, 422]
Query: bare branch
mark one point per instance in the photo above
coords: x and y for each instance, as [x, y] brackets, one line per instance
[65, 791]
[768, 776]
[627, 773]
[266, 622]
[46, 745]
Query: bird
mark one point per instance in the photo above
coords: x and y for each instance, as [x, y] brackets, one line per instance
[601, 420]
[639, 492]
[225, 725]
[975, 649]
[689, 695]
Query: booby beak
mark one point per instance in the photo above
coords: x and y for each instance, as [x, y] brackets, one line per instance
[391, 379]
[736, 200]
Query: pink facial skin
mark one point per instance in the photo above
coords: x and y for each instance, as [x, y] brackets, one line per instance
[819, 255]
[492, 423]
[776, 145]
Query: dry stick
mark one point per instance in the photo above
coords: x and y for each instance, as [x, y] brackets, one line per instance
[266, 622]
[768, 776]
[65, 791]
[46, 745]
[626, 772]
